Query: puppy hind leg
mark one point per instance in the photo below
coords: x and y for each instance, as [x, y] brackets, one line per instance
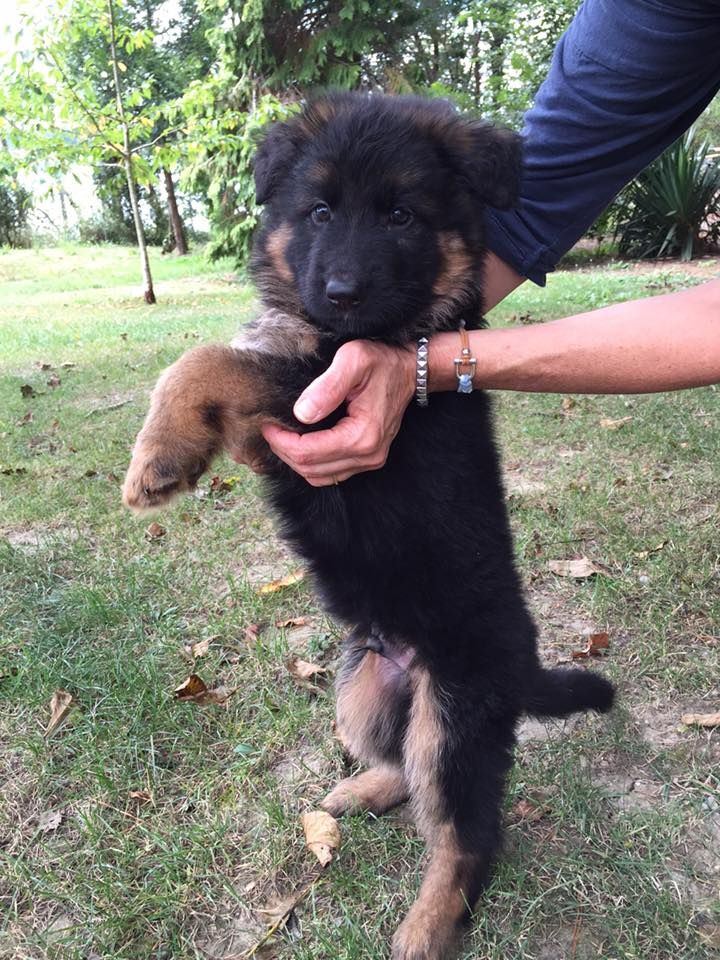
[376, 790]
[456, 774]
[372, 710]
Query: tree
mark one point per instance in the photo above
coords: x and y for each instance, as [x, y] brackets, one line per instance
[54, 114]
[15, 206]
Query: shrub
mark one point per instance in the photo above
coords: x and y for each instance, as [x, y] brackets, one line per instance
[673, 207]
[15, 207]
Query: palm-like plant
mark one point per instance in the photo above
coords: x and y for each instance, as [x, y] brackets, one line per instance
[673, 207]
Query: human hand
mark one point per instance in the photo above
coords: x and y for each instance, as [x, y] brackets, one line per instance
[376, 382]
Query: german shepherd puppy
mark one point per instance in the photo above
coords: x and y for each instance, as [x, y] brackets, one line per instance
[373, 229]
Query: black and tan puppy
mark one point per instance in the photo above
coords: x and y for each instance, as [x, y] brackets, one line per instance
[373, 230]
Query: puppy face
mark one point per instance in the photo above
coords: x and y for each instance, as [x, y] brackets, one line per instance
[373, 214]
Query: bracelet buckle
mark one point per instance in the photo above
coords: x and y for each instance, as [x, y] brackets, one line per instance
[465, 364]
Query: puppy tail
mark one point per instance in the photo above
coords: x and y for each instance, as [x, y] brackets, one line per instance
[559, 692]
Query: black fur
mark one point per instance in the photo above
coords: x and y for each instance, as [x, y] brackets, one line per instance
[419, 553]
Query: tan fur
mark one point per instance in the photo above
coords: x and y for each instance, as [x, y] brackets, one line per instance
[432, 926]
[379, 789]
[361, 699]
[457, 265]
[213, 397]
[276, 246]
[423, 743]
[278, 334]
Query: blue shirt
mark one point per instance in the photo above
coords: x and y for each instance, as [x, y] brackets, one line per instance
[626, 80]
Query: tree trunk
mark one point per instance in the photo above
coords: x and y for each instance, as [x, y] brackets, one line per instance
[148, 292]
[175, 218]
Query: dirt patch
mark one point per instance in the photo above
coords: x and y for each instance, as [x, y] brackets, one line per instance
[33, 539]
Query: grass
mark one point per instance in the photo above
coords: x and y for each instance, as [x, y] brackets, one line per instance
[179, 824]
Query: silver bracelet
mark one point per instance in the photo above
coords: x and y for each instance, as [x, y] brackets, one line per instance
[421, 373]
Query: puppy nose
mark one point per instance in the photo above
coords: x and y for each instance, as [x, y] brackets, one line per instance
[343, 292]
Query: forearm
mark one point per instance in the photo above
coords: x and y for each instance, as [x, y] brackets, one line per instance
[641, 346]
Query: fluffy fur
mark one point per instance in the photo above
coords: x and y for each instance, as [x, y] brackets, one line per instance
[373, 228]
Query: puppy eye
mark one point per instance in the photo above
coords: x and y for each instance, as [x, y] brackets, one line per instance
[320, 213]
[400, 217]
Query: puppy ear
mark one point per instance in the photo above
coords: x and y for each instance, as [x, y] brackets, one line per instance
[273, 159]
[490, 160]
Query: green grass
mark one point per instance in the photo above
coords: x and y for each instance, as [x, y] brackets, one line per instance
[178, 823]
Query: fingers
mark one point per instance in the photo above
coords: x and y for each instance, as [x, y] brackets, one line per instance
[330, 455]
[331, 388]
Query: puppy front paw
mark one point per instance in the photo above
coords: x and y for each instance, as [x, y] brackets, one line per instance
[157, 475]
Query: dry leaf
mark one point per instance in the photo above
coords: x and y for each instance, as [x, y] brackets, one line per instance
[42, 366]
[596, 643]
[644, 554]
[49, 820]
[53, 380]
[26, 418]
[528, 811]
[155, 531]
[60, 704]
[567, 405]
[578, 568]
[701, 719]
[607, 424]
[141, 796]
[290, 580]
[195, 690]
[293, 622]
[27, 391]
[252, 631]
[322, 835]
[304, 670]
[278, 911]
[201, 648]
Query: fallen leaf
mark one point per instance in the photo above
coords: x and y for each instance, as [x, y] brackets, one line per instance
[141, 796]
[288, 581]
[54, 380]
[701, 719]
[644, 554]
[201, 648]
[252, 632]
[13, 471]
[27, 391]
[43, 366]
[155, 531]
[304, 670]
[223, 484]
[567, 405]
[68, 365]
[49, 820]
[580, 568]
[60, 704]
[195, 690]
[293, 622]
[26, 418]
[607, 424]
[528, 811]
[277, 911]
[596, 643]
[322, 835]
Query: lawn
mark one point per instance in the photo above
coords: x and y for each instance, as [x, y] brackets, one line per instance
[145, 828]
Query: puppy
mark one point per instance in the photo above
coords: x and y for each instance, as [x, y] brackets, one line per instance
[373, 229]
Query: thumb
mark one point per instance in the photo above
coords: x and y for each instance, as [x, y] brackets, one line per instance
[327, 392]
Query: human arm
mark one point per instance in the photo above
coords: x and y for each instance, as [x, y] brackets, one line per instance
[640, 346]
[627, 79]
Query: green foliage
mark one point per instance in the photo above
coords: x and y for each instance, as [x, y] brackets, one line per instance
[673, 207]
[200, 77]
[15, 207]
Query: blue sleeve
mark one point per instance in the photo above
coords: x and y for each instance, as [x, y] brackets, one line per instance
[626, 80]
